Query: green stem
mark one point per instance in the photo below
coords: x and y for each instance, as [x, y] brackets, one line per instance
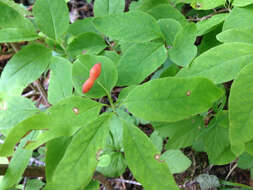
[108, 95]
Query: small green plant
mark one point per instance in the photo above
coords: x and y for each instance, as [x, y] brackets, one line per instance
[196, 94]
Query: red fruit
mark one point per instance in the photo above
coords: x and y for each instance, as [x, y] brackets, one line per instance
[95, 71]
[88, 85]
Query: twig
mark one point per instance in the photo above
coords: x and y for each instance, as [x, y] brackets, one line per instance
[42, 91]
[208, 16]
[14, 47]
[123, 183]
[231, 171]
[29, 94]
[31, 171]
[36, 162]
[98, 176]
[24, 183]
[127, 181]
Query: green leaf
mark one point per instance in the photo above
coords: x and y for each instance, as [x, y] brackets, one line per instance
[207, 4]
[226, 157]
[143, 159]
[157, 140]
[242, 3]
[167, 11]
[216, 138]
[90, 43]
[235, 21]
[176, 161]
[221, 63]
[106, 81]
[134, 27]
[55, 151]
[17, 35]
[241, 107]
[60, 85]
[18, 109]
[236, 35]
[34, 184]
[14, 26]
[10, 17]
[149, 4]
[63, 119]
[66, 117]
[82, 26]
[112, 55]
[170, 28]
[208, 25]
[181, 133]
[17, 7]
[116, 167]
[52, 17]
[209, 40]
[183, 49]
[108, 7]
[245, 161]
[104, 160]
[88, 141]
[93, 185]
[172, 99]
[18, 164]
[24, 68]
[139, 61]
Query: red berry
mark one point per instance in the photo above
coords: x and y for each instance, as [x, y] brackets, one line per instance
[95, 71]
[88, 85]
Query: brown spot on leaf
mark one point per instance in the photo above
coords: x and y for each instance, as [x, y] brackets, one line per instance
[157, 157]
[76, 111]
[198, 5]
[98, 154]
[188, 93]
[3, 106]
[28, 142]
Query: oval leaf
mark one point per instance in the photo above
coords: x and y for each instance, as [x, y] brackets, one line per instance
[241, 107]
[242, 3]
[143, 159]
[221, 63]
[90, 43]
[172, 99]
[134, 27]
[52, 17]
[183, 49]
[60, 85]
[139, 61]
[24, 68]
[108, 7]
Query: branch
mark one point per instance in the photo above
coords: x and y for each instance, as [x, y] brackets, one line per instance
[208, 16]
[42, 91]
[35, 171]
[31, 171]
[98, 176]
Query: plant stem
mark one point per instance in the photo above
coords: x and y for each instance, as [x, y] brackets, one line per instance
[14, 47]
[109, 96]
[42, 91]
